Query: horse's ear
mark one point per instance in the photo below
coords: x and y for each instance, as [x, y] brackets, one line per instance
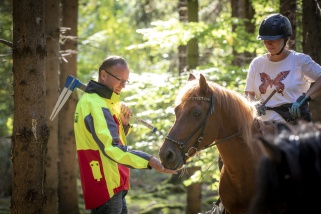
[203, 84]
[271, 150]
[191, 77]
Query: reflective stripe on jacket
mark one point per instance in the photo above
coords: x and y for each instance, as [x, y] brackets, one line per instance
[103, 156]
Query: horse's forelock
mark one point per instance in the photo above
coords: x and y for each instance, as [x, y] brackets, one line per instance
[186, 91]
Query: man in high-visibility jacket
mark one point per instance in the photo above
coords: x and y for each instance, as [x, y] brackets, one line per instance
[101, 123]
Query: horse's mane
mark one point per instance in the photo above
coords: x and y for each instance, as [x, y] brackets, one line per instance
[289, 177]
[241, 109]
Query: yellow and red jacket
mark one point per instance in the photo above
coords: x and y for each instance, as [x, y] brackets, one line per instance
[103, 156]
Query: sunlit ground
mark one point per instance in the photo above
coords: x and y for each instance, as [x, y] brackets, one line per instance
[150, 194]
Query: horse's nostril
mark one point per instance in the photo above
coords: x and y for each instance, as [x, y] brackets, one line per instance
[170, 156]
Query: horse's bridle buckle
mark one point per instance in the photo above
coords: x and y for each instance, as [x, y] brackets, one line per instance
[187, 153]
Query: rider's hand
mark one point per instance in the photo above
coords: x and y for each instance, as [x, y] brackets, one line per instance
[295, 108]
[261, 109]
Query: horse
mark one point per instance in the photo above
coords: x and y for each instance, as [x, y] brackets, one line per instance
[207, 114]
[289, 175]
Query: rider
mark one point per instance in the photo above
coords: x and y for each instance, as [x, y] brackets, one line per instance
[288, 72]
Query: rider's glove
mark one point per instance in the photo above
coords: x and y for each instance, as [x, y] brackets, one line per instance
[295, 108]
[261, 109]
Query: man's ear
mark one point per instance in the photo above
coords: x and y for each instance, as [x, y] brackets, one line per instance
[103, 75]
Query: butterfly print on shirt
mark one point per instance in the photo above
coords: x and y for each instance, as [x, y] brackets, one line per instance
[267, 81]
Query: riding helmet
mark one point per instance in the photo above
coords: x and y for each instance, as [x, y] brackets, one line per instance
[275, 26]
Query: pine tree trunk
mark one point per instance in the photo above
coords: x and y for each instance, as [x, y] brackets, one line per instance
[30, 132]
[243, 10]
[312, 43]
[68, 195]
[194, 194]
[192, 45]
[182, 49]
[288, 8]
[52, 79]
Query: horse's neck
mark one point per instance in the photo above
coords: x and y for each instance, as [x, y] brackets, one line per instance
[237, 154]
[239, 165]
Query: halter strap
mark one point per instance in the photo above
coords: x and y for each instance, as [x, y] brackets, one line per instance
[202, 125]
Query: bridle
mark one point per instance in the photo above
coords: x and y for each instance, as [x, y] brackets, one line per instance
[203, 126]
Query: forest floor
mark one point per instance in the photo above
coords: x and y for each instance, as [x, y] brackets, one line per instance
[4, 205]
[150, 193]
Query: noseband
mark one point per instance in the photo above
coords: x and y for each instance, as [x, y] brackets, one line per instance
[202, 125]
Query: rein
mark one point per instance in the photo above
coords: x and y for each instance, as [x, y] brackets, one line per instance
[222, 140]
[203, 126]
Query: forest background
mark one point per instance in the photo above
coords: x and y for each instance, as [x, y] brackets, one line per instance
[162, 41]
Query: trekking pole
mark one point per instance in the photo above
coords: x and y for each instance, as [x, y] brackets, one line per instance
[269, 97]
[70, 85]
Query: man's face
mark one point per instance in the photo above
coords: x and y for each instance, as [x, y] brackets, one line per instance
[115, 77]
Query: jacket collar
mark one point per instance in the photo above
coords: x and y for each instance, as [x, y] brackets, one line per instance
[100, 89]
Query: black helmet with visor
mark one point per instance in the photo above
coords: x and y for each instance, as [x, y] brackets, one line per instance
[275, 26]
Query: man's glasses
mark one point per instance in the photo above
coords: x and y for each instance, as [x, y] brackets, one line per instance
[126, 82]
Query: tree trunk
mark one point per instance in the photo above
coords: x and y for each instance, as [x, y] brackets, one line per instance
[194, 194]
[243, 9]
[288, 8]
[194, 191]
[192, 45]
[182, 50]
[68, 175]
[52, 78]
[312, 43]
[30, 132]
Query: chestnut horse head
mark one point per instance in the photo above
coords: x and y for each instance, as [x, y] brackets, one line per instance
[208, 114]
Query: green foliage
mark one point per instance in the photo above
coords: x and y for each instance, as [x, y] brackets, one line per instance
[108, 28]
[265, 7]
[215, 37]
[103, 30]
[151, 97]
[6, 89]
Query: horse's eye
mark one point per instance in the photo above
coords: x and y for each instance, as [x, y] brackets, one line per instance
[197, 113]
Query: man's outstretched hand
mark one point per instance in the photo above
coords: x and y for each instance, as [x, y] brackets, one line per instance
[157, 165]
